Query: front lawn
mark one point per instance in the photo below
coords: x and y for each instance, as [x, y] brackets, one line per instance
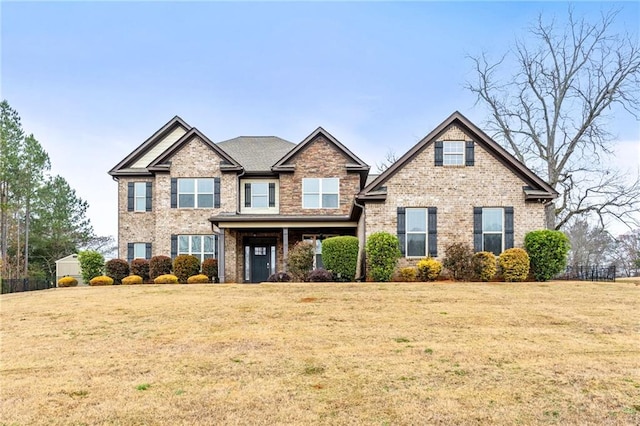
[398, 353]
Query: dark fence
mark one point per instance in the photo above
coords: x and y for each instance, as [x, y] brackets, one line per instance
[589, 273]
[24, 284]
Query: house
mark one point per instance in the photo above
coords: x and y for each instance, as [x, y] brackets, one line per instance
[246, 201]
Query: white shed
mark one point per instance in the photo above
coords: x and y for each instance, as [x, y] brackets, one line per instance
[69, 266]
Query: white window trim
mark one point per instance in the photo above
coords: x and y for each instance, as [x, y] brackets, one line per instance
[201, 253]
[196, 193]
[446, 155]
[501, 209]
[320, 193]
[426, 233]
[137, 196]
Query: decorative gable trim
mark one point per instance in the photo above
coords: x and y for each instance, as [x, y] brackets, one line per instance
[356, 163]
[226, 163]
[543, 190]
[122, 168]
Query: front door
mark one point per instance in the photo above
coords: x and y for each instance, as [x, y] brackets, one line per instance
[259, 259]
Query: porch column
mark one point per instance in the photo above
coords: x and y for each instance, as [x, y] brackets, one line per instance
[285, 246]
[221, 256]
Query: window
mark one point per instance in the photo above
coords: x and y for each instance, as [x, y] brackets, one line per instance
[453, 153]
[140, 196]
[196, 193]
[139, 250]
[200, 246]
[259, 195]
[416, 232]
[320, 193]
[492, 230]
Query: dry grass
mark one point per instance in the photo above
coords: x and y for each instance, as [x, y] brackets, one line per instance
[552, 353]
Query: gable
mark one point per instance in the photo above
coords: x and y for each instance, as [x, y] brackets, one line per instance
[141, 157]
[458, 128]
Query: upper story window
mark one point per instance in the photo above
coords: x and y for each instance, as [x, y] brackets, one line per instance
[196, 193]
[320, 193]
[259, 195]
[453, 153]
[139, 196]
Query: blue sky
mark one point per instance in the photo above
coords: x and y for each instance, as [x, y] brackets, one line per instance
[92, 80]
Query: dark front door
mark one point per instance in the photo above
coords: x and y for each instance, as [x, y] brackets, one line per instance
[260, 265]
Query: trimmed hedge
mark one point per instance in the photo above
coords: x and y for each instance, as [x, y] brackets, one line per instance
[407, 274]
[340, 256]
[166, 279]
[101, 280]
[514, 264]
[140, 267]
[383, 251]
[548, 251]
[91, 264]
[300, 261]
[159, 265]
[484, 265]
[67, 282]
[117, 269]
[457, 259]
[185, 266]
[429, 269]
[320, 276]
[132, 280]
[198, 279]
[210, 269]
[279, 277]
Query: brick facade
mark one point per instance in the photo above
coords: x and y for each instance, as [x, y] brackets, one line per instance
[455, 191]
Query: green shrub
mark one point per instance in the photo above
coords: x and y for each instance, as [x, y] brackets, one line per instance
[132, 280]
[185, 266]
[457, 259]
[140, 267]
[300, 261]
[548, 251]
[514, 264]
[340, 255]
[101, 280]
[383, 252]
[429, 269]
[67, 282]
[198, 279]
[407, 274]
[117, 269]
[166, 279]
[159, 265]
[484, 265]
[210, 269]
[91, 264]
[279, 277]
[320, 276]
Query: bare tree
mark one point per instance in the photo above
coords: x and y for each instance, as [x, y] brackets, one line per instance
[628, 252]
[389, 158]
[590, 245]
[553, 113]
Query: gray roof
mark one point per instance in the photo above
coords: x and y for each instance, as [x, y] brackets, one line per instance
[256, 153]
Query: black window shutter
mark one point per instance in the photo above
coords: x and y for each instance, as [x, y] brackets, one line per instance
[174, 193]
[433, 231]
[215, 246]
[129, 252]
[439, 153]
[477, 228]
[147, 251]
[469, 154]
[149, 196]
[508, 227]
[216, 193]
[247, 195]
[401, 229]
[272, 194]
[130, 196]
[174, 246]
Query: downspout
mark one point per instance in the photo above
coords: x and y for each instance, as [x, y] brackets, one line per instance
[361, 264]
